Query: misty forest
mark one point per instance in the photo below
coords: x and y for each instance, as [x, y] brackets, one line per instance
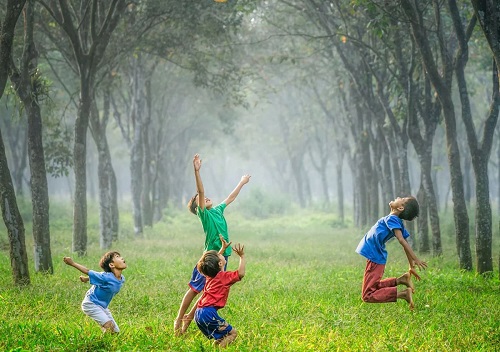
[334, 108]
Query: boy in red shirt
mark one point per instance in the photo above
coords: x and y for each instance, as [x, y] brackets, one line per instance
[215, 293]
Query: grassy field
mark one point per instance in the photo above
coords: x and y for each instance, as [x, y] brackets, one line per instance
[301, 293]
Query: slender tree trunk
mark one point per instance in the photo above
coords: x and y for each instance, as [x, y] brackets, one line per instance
[136, 151]
[10, 212]
[14, 223]
[422, 221]
[39, 191]
[340, 187]
[104, 171]
[80, 171]
[441, 85]
[480, 151]
[26, 82]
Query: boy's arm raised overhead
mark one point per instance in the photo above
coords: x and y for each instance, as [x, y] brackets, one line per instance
[240, 250]
[232, 196]
[412, 258]
[199, 183]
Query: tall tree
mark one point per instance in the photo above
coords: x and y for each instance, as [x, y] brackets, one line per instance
[10, 211]
[88, 26]
[30, 87]
[441, 80]
[480, 149]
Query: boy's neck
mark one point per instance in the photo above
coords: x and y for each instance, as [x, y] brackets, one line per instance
[117, 273]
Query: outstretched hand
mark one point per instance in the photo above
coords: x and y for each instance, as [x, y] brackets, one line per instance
[224, 243]
[417, 263]
[239, 249]
[68, 260]
[196, 162]
[414, 273]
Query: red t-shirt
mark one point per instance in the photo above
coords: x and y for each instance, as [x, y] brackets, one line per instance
[216, 289]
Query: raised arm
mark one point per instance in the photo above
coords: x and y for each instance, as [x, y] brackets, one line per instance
[232, 196]
[75, 265]
[225, 244]
[412, 258]
[240, 250]
[199, 183]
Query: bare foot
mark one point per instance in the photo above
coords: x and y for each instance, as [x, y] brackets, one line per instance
[409, 298]
[185, 323]
[405, 279]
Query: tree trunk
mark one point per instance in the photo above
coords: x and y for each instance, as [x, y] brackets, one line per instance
[422, 221]
[80, 170]
[480, 151]
[340, 186]
[136, 150]
[441, 85]
[13, 222]
[39, 191]
[104, 172]
[27, 84]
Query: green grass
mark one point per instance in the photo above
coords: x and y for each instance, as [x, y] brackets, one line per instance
[301, 293]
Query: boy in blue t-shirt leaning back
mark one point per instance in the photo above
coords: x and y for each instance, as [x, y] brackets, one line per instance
[372, 247]
[214, 225]
[105, 285]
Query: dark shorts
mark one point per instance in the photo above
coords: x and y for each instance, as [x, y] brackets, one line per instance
[198, 280]
[211, 324]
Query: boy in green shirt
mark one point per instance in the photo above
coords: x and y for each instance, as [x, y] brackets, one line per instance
[214, 224]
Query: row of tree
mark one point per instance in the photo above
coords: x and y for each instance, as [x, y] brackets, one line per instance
[361, 80]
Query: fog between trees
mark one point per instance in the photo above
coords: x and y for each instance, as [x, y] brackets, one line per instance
[335, 105]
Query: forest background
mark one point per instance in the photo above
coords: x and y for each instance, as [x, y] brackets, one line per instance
[332, 107]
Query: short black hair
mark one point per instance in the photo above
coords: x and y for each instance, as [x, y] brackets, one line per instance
[192, 204]
[411, 209]
[208, 264]
[106, 259]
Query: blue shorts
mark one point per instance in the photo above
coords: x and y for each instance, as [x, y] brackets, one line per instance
[211, 324]
[198, 280]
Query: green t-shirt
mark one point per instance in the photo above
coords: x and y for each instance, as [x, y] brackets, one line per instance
[214, 223]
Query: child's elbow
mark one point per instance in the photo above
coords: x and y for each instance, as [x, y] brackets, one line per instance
[241, 274]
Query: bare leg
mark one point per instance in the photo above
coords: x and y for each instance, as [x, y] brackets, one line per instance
[188, 318]
[407, 295]
[226, 340]
[405, 279]
[186, 301]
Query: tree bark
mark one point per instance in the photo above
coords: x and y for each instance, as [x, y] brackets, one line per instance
[441, 85]
[106, 174]
[28, 85]
[480, 151]
[89, 39]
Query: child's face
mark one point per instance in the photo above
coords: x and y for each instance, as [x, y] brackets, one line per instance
[398, 203]
[208, 203]
[222, 262]
[118, 262]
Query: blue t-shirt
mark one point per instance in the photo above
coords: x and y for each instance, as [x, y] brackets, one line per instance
[214, 223]
[372, 245]
[104, 287]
